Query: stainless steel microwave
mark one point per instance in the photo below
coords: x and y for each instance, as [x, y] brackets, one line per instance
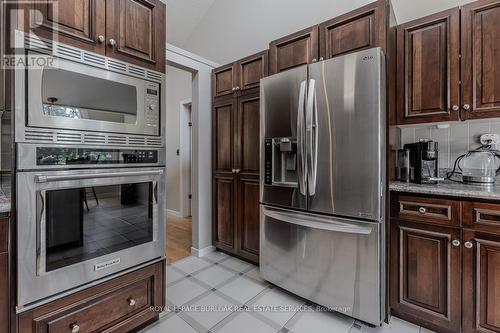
[76, 92]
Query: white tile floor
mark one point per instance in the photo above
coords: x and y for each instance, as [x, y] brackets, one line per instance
[221, 294]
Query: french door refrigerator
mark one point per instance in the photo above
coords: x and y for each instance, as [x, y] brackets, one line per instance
[323, 152]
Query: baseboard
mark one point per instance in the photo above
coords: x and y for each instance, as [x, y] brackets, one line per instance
[202, 252]
[174, 213]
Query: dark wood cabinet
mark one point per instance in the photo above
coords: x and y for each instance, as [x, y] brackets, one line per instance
[236, 165]
[75, 22]
[481, 266]
[240, 76]
[129, 30]
[426, 275]
[138, 30]
[2, 53]
[123, 304]
[4, 274]
[354, 31]
[428, 69]
[294, 50]
[481, 59]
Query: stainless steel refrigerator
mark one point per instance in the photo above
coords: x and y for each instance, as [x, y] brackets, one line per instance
[323, 151]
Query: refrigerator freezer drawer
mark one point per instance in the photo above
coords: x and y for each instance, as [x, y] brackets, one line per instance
[331, 261]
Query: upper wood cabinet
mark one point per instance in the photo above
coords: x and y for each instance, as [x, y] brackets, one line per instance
[481, 282]
[137, 28]
[428, 69]
[481, 59]
[128, 30]
[240, 76]
[354, 31]
[2, 52]
[294, 50]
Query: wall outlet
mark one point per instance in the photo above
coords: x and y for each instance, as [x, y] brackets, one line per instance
[489, 139]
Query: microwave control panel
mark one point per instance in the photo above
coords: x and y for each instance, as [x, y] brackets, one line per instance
[152, 104]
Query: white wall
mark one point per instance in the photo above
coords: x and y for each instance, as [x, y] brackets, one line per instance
[179, 88]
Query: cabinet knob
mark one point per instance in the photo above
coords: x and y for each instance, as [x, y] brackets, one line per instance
[321, 59]
[233, 171]
[315, 60]
[422, 210]
[469, 245]
[101, 39]
[112, 42]
[75, 328]
[455, 108]
[132, 302]
[238, 170]
[456, 243]
[237, 88]
[466, 107]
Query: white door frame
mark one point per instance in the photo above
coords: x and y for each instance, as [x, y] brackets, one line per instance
[185, 156]
[201, 171]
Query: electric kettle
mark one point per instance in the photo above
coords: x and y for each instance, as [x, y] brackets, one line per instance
[479, 167]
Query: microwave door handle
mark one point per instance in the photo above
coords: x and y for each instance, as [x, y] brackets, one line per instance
[302, 168]
[312, 137]
[317, 223]
[48, 179]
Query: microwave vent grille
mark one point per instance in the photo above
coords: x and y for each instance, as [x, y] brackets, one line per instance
[69, 138]
[64, 51]
[137, 141]
[117, 140]
[39, 136]
[155, 142]
[93, 138]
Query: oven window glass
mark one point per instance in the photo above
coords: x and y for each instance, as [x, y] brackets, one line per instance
[86, 223]
[77, 96]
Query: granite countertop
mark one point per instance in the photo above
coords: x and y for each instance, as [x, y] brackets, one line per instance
[449, 188]
[5, 194]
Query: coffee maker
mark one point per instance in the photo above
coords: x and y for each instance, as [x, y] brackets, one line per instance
[418, 162]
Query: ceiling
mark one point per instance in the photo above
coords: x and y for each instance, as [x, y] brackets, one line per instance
[225, 30]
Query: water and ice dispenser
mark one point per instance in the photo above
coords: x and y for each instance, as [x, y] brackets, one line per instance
[281, 162]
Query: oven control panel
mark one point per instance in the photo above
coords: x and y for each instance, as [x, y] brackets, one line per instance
[152, 105]
[46, 156]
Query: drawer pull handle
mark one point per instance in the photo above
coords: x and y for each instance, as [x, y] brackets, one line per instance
[469, 245]
[456, 243]
[75, 328]
[422, 210]
[132, 302]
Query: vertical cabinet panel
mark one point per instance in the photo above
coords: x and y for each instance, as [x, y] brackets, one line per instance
[2, 53]
[428, 69]
[248, 218]
[481, 59]
[425, 274]
[351, 32]
[223, 197]
[4, 292]
[223, 135]
[295, 50]
[481, 282]
[76, 22]
[248, 134]
[138, 29]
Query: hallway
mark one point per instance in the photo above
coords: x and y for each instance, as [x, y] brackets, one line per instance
[179, 231]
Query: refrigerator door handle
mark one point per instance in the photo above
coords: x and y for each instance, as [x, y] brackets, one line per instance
[317, 222]
[302, 167]
[312, 137]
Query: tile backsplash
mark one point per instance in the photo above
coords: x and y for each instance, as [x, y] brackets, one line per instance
[454, 140]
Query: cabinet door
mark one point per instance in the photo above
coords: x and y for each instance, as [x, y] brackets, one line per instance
[251, 69]
[481, 59]
[425, 281]
[4, 292]
[224, 80]
[223, 119]
[355, 31]
[248, 165]
[248, 231]
[481, 304]
[428, 69]
[295, 50]
[137, 28]
[76, 22]
[223, 212]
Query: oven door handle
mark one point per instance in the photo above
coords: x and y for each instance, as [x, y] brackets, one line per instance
[48, 179]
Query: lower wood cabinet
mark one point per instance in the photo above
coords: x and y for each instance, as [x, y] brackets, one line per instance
[120, 305]
[4, 292]
[481, 276]
[446, 277]
[426, 274]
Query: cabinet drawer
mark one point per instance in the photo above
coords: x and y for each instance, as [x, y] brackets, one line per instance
[4, 234]
[428, 210]
[120, 305]
[482, 216]
[108, 310]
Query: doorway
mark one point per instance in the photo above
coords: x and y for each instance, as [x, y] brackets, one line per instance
[185, 156]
